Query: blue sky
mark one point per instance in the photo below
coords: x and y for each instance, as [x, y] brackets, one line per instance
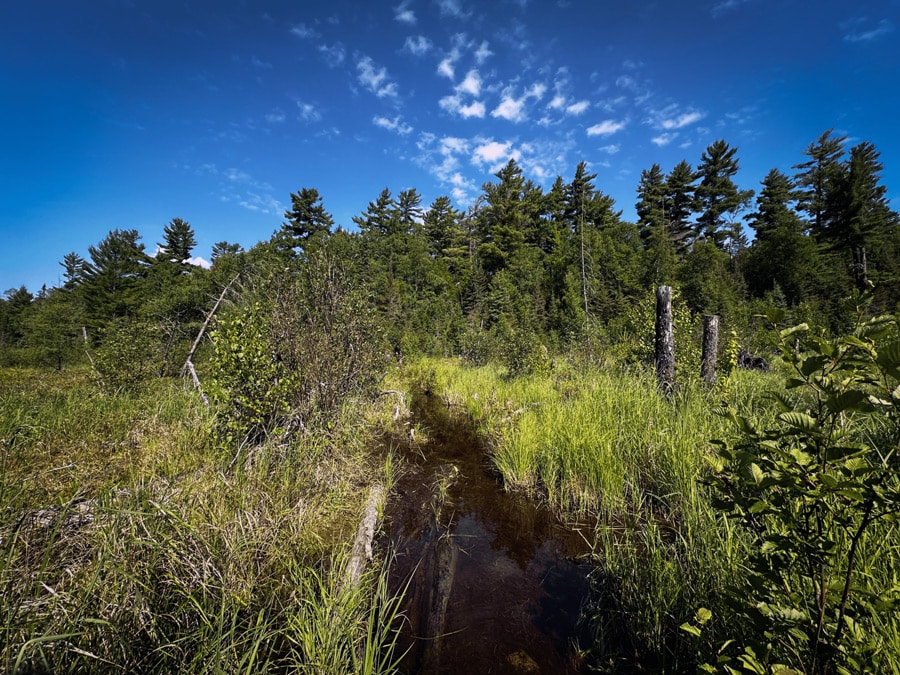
[128, 113]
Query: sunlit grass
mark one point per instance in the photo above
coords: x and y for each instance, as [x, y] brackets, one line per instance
[132, 539]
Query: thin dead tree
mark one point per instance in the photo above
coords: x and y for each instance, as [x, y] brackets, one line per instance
[188, 367]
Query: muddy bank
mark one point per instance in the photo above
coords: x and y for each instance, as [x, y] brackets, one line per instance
[495, 581]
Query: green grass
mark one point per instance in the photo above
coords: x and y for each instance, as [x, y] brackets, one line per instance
[132, 540]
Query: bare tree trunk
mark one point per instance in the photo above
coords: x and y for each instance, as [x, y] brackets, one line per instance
[710, 348]
[665, 341]
[190, 356]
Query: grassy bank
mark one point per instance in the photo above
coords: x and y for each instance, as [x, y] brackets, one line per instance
[601, 441]
[132, 539]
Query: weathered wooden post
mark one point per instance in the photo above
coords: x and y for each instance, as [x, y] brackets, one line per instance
[710, 348]
[665, 341]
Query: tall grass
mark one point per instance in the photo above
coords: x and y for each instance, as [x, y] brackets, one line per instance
[601, 441]
[131, 540]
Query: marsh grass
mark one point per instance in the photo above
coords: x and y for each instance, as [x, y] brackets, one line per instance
[131, 540]
[601, 441]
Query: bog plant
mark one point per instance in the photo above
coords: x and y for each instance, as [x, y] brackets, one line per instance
[817, 492]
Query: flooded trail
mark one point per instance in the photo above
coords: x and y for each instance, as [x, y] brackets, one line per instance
[495, 585]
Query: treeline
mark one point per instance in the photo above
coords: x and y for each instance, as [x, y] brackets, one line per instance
[521, 267]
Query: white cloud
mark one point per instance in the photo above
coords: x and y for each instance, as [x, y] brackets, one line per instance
[334, 55]
[681, 120]
[417, 45]
[471, 84]
[396, 124]
[494, 154]
[578, 107]
[308, 112]
[375, 79]
[606, 128]
[611, 149]
[198, 262]
[452, 8]
[664, 139]
[482, 53]
[454, 104]
[859, 30]
[445, 67]
[558, 102]
[404, 14]
[237, 176]
[304, 32]
[510, 108]
[536, 91]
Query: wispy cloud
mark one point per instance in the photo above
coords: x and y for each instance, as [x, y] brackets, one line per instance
[454, 104]
[277, 116]
[452, 8]
[611, 149]
[482, 53]
[308, 112]
[606, 128]
[578, 107]
[471, 84]
[404, 14]
[512, 108]
[256, 62]
[441, 158]
[239, 187]
[494, 154]
[861, 29]
[682, 120]
[334, 55]
[375, 79]
[304, 32]
[418, 45]
[664, 139]
[396, 124]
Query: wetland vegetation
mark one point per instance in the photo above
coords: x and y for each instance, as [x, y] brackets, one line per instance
[189, 455]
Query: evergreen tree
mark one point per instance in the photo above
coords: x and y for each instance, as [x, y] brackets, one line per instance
[681, 204]
[307, 220]
[74, 266]
[861, 214]
[819, 177]
[718, 197]
[651, 203]
[178, 241]
[781, 256]
[112, 280]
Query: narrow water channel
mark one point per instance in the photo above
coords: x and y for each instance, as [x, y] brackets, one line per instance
[495, 582]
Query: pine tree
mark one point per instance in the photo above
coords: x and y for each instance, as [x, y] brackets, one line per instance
[818, 179]
[718, 197]
[782, 255]
[307, 221]
[178, 241]
[680, 205]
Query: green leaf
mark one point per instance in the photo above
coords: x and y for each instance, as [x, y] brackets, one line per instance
[775, 315]
[845, 400]
[800, 421]
[757, 473]
[810, 365]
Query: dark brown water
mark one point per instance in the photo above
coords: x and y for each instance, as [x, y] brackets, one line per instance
[495, 582]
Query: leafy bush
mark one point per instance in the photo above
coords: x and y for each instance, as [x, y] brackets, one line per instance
[814, 491]
[292, 361]
[128, 355]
